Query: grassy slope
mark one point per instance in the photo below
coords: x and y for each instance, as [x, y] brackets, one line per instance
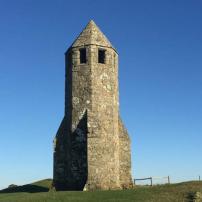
[43, 183]
[164, 193]
[36, 187]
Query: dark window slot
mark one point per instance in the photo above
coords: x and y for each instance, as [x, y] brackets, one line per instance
[82, 55]
[101, 56]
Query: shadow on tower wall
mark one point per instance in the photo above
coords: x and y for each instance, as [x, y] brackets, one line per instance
[70, 156]
[79, 168]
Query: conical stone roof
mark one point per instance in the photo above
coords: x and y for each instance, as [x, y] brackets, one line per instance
[92, 35]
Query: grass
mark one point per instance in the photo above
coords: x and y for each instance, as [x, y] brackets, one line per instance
[181, 192]
[36, 187]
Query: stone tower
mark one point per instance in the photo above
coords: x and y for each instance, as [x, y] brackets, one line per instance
[92, 146]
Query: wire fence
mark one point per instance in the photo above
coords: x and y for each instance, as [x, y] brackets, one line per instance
[155, 180]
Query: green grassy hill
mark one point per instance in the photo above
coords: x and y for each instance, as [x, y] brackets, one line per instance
[40, 186]
[38, 192]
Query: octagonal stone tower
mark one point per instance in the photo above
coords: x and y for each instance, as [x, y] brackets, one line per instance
[92, 146]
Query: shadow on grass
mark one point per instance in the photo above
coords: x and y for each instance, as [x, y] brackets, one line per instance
[25, 188]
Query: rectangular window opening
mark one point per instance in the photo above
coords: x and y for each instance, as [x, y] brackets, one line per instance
[101, 56]
[82, 55]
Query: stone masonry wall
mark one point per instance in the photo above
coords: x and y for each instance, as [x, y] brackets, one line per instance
[103, 143]
[125, 157]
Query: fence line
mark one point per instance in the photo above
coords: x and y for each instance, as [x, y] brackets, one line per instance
[153, 178]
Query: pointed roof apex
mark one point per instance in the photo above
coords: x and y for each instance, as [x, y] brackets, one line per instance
[92, 22]
[91, 34]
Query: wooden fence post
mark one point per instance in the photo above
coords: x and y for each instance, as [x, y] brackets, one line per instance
[168, 179]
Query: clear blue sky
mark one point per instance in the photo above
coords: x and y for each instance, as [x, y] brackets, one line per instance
[160, 52]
